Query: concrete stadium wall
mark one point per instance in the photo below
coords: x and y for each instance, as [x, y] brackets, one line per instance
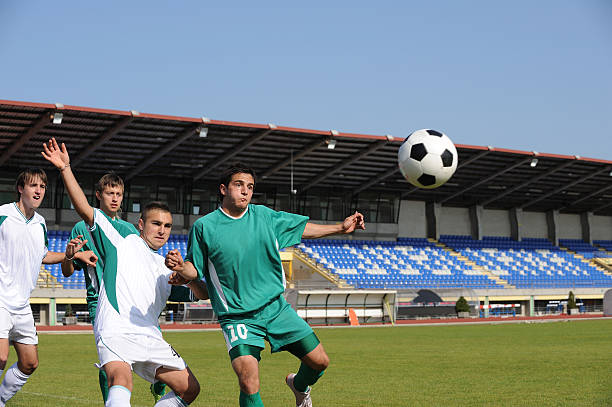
[412, 222]
[495, 223]
[601, 227]
[455, 221]
[533, 225]
[569, 226]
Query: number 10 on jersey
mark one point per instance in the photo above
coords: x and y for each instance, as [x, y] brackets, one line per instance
[240, 329]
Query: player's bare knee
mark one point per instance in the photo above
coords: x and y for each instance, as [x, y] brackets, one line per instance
[192, 391]
[187, 389]
[323, 363]
[248, 384]
[28, 367]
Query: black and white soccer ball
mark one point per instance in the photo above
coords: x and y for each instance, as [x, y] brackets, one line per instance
[427, 158]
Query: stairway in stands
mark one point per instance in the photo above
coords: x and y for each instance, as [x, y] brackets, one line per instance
[503, 283]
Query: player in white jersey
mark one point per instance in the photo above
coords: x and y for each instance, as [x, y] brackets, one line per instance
[133, 292]
[23, 247]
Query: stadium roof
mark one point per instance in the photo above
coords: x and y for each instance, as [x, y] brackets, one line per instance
[196, 148]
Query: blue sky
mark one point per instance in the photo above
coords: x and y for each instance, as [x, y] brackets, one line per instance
[529, 75]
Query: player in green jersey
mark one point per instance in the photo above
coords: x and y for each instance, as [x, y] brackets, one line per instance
[236, 249]
[109, 193]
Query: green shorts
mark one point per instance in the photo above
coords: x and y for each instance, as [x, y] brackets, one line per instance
[276, 323]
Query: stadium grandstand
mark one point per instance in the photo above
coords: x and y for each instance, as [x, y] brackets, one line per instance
[513, 230]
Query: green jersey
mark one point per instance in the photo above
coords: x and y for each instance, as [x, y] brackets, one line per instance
[239, 257]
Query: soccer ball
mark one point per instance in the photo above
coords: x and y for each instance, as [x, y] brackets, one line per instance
[427, 158]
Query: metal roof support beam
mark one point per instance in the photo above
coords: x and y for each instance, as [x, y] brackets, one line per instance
[530, 181]
[379, 178]
[564, 187]
[107, 135]
[39, 124]
[406, 193]
[233, 151]
[306, 150]
[331, 171]
[472, 159]
[487, 179]
[163, 151]
[586, 197]
[461, 164]
[602, 207]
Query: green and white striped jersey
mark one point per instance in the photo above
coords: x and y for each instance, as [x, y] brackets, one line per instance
[134, 286]
[93, 275]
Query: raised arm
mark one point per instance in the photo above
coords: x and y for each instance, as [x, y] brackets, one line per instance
[313, 230]
[58, 156]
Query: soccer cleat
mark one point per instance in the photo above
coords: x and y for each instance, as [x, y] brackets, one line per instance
[302, 399]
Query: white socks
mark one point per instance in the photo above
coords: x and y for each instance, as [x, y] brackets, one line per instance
[14, 379]
[118, 396]
[170, 400]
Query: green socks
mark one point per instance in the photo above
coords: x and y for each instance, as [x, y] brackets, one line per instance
[305, 377]
[103, 384]
[158, 388]
[250, 400]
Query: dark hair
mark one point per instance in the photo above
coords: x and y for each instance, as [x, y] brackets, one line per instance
[236, 168]
[27, 176]
[153, 206]
[109, 180]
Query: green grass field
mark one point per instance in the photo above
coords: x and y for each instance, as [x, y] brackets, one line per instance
[527, 364]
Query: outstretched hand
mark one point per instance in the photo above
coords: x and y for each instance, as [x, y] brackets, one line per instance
[355, 221]
[55, 154]
[88, 257]
[74, 245]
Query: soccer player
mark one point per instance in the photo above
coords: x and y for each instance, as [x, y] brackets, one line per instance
[109, 192]
[236, 248]
[23, 247]
[133, 291]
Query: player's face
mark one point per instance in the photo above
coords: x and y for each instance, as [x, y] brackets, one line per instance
[238, 193]
[33, 192]
[155, 231]
[110, 199]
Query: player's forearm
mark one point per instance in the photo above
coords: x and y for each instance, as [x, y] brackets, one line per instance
[53, 258]
[198, 288]
[188, 272]
[313, 230]
[77, 197]
[67, 268]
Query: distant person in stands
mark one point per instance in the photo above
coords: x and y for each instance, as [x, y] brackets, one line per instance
[109, 193]
[236, 249]
[132, 293]
[23, 248]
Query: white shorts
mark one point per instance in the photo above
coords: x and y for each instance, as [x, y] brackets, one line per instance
[143, 353]
[18, 327]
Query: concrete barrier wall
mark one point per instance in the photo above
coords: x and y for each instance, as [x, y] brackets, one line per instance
[601, 227]
[455, 221]
[412, 222]
[569, 226]
[495, 223]
[533, 225]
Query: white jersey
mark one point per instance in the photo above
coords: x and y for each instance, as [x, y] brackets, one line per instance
[134, 287]
[23, 245]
